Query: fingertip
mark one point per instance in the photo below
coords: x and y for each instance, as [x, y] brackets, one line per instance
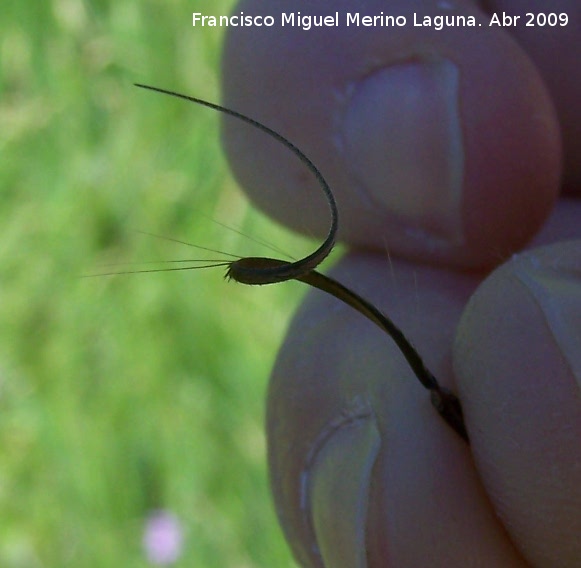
[444, 145]
[518, 369]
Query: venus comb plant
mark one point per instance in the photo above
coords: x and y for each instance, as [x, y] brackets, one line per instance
[258, 271]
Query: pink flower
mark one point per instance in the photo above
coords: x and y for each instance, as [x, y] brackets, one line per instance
[163, 538]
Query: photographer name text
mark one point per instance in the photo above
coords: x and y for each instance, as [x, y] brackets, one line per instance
[355, 19]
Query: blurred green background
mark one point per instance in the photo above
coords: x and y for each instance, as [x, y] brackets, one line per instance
[121, 395]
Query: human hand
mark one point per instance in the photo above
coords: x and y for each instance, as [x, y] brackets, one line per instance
[444, 149]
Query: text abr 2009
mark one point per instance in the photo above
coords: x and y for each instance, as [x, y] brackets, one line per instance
[551, 20]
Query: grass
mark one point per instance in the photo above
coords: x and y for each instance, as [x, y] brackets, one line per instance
[121, 395]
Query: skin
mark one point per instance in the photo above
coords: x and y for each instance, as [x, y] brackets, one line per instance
[483, 275]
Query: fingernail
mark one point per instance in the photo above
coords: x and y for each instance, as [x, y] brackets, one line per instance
[338, 486]
[557, 292]
[403, 139]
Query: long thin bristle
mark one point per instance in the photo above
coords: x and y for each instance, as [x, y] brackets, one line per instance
[149, 271]
[190, 260]
[199, 247]
[254, 239]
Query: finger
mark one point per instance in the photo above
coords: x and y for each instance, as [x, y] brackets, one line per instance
[443, 144]
[554, 49]
[362, 467]
[518, 367]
